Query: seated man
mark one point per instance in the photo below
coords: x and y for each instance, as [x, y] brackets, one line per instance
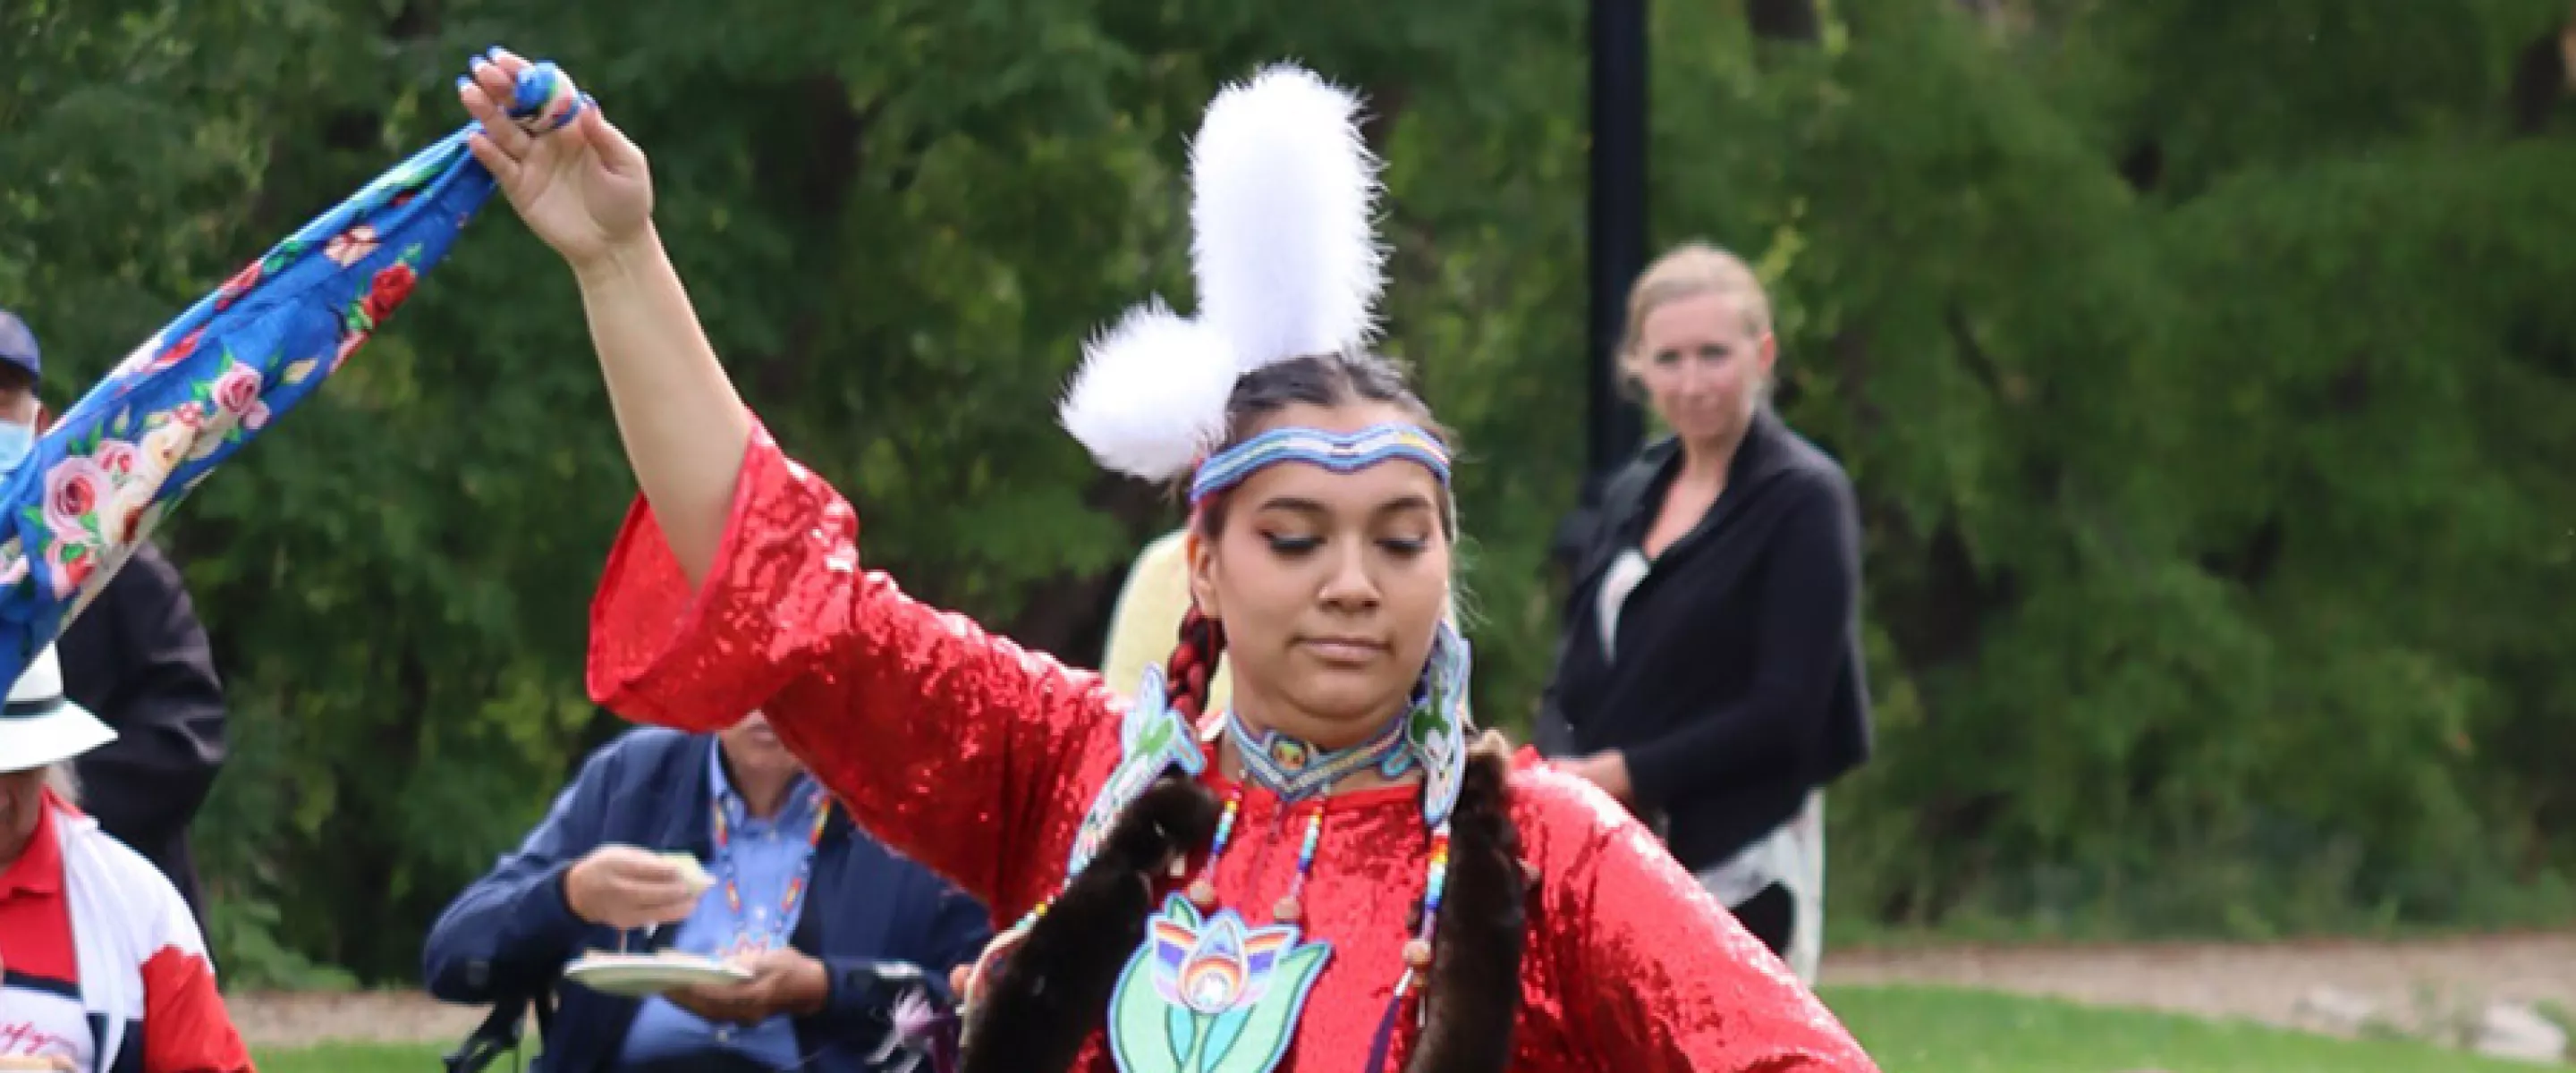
[827, 964]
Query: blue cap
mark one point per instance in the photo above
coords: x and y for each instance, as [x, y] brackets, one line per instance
[18, 345]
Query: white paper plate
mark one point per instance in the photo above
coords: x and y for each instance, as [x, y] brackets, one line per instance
[638, 975]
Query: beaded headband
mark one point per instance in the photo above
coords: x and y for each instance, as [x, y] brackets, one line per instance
[1283, 196]
[1340, 452]
[1287, 265]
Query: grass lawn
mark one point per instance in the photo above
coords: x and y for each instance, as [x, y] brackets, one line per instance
[1908, 1029]
[1942, 1030]
[359, 1058]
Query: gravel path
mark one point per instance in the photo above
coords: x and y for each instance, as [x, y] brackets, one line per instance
[2278, 983]
[298, 1019]
[2262, 982]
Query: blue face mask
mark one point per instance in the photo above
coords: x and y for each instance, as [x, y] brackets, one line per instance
[16, 441]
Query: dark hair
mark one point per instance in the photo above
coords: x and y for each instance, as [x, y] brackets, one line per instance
[1320, 380]
[1046, 996]
[1336, 379]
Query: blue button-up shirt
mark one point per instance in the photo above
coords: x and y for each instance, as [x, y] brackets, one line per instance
[766, 855]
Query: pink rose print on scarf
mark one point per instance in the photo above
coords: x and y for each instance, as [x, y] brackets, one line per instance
[67, 568]
[118, 459]
[74, 489]
[236, 391]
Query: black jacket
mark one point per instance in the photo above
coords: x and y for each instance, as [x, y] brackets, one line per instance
[138, 659]
[1739, 684]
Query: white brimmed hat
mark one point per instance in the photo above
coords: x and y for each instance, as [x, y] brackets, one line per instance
[40, 726]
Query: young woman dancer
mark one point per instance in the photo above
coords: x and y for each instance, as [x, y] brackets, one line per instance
[1335, 874]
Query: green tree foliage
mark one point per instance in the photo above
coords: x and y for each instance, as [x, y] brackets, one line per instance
[2196, 360]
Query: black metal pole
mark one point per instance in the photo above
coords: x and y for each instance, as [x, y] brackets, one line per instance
[1617, 240]
[1618, 223]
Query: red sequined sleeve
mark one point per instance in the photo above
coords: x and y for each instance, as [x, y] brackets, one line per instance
[955, 747]
[1654, 976]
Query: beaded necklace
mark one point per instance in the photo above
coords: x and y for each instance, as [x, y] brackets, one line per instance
[1206, 986]
[1223, 985]
[1296, 770]
[1289, 909]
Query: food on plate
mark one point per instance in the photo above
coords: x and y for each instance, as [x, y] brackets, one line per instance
[689, 867]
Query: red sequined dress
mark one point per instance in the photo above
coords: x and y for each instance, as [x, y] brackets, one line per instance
[978, 758]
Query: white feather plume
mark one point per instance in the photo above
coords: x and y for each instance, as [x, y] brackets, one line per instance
[1287, 262]
[1150, 398]
[1284, 202]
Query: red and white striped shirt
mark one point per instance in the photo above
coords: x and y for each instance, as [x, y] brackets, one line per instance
[101, 962]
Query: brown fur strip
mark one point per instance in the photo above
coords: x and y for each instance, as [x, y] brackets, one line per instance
[1052, 993]
[1475, 993]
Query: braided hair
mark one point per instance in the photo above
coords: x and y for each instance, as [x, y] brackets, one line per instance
[1048, 997]
[1190, 675]
[1315, 380]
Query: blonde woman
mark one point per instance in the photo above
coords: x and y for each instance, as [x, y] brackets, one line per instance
[1710, 675]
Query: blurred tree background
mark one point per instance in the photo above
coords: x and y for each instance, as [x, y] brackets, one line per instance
[2204, 367]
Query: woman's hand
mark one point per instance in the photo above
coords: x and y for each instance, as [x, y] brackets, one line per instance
[1609, 771]
[584, 188]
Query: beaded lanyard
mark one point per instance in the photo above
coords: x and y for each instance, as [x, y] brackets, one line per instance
[795, 884]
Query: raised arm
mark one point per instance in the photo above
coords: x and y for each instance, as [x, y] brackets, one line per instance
[586, 190]
[955, 747]
[735, 584]
[683, 425]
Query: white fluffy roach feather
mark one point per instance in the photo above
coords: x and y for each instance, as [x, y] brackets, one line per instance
[1150, 398]
[1284, 194]
[1284, 197]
